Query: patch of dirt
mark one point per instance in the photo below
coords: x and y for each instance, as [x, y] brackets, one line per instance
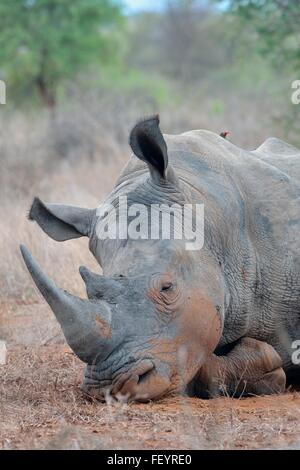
[42, 406]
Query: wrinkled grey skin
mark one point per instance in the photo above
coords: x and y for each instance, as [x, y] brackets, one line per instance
[162, 318]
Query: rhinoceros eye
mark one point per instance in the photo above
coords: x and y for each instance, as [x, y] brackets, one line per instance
[167, 287]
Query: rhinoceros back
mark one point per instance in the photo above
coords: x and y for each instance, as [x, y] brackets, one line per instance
[283, 156]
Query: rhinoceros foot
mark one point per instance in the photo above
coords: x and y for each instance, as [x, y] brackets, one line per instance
[252, 367]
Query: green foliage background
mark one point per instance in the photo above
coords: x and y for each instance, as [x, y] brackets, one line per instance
[277, 24]
[188, 50]
[45, 42]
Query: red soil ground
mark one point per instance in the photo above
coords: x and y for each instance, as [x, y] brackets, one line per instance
[42, 406]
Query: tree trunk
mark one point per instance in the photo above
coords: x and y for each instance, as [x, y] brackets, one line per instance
[47, 95]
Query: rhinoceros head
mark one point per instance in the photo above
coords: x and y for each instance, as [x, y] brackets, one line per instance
[151, 319]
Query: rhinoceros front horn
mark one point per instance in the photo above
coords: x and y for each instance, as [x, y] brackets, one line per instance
[85, 324]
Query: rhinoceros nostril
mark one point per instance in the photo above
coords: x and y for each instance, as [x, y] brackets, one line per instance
[144, 370]
[134, 377]
[143, 376]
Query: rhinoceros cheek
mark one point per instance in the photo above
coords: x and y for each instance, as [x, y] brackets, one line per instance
[200, 325]
[194, 337]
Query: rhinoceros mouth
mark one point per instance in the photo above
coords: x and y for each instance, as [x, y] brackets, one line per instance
[142, 382]
[123, 383]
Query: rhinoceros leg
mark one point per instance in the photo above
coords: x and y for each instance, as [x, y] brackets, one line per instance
[252, 367]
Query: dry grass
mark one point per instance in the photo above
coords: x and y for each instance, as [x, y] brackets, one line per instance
[41, 406]
[75, 158]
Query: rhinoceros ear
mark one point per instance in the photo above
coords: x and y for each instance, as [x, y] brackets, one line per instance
[61, 222]
[148, 144]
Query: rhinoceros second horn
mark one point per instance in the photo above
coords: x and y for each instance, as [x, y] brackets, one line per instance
[78, 318]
